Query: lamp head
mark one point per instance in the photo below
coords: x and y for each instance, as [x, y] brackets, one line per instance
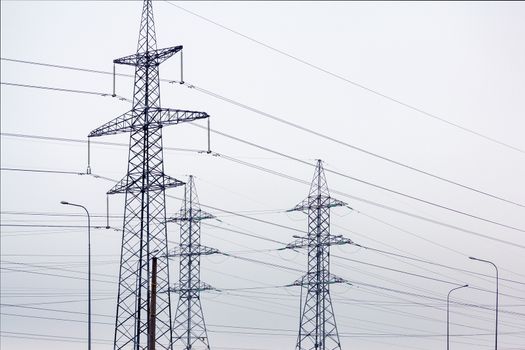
[64, 202]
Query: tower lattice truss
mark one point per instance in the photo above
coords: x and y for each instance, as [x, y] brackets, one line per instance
[189, 327]
[317, 326]
[144, 228]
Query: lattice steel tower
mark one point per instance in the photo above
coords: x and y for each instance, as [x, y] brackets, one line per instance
[189, 328]
[144, 229]
[317, 326]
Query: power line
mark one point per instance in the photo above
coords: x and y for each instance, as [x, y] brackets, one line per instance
[352, 260]
[346, 80]
[396, 270]
[376, 204]
[53, 275]
[440, 265]
[231, 212]
[57, 226]
[64, 90]
[300, 127]
[335, 191]
[385, 188]
[365, 182]
[370, 264]
[43, 171]
[365, 263]
[346, 144]
[360, 262]
[245, 216]
[365, 284]
[104, 143]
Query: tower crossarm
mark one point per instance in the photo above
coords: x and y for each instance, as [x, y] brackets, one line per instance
[134, 184]
[169, 116]
[149, 58]
[305, 242]
[317, 202]
[310, 279]
[202, 286]
[183, 250]
[146, 118]
[196, 215]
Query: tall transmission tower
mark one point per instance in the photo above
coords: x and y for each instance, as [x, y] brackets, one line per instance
[317, 326]
[144, 229]
[189, 327]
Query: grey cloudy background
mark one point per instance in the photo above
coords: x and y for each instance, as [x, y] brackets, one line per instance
[463, 62]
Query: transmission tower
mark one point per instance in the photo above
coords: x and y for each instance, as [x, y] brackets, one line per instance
[317, 326]
[189, 327]
[144, 229]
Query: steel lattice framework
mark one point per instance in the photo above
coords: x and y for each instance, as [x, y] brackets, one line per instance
[189, 327]
[144, 228]
[317, 328]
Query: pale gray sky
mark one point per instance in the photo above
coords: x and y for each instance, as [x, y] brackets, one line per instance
[463, 62]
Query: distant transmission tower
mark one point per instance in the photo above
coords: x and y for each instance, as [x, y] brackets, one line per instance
[189, 327]
[317, 326]
[144, 232]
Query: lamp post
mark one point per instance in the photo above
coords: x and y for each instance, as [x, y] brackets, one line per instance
[448, 313]
[89, 267]
[497, 297]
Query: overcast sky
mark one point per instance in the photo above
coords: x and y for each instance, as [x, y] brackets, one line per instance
[461, 62]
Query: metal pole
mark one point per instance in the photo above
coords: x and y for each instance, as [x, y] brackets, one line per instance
[89, 279]
[448, 313]
[89, 267]
[497, 307]
[497, 297]
[153, 305]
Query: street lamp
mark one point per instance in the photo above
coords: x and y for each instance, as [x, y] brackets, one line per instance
[497, 297]
[448, 313]
[89, 267]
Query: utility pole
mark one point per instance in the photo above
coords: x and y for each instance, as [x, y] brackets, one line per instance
[153, 305]
[317, 326]
[189, 327]
[144, 227]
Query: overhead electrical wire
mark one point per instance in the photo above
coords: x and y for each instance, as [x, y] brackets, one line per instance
[280, 305]
[231, 255]
[346, 80]
[245, 216]
[215, 208]
[375, 155]
[383, 206]
[439, 264]
[377, 186]
[344, 334]
[281, 120]
[93, 142]
[364, 181]
[64, 90]
[365, 263]
[251, 288]
[367, 285]
[73, 68]
[80, 174]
